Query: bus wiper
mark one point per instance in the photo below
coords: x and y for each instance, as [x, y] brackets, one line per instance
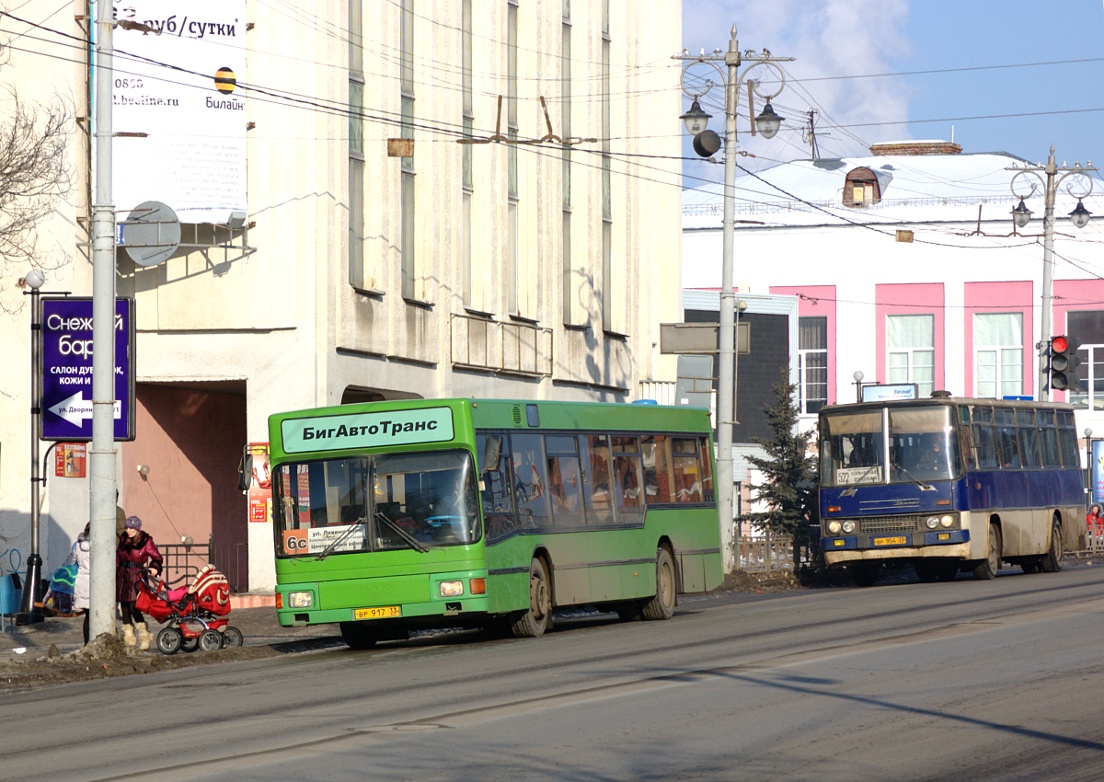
[409, 539]
[923, 486]
[339, 539]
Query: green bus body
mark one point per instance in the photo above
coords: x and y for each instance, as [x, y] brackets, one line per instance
[395, 516]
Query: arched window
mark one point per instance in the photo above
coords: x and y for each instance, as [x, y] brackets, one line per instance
[861, 188]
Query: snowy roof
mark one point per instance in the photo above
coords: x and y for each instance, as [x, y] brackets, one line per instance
[914, 189]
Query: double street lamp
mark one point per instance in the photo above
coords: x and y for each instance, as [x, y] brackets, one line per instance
[1080, 186]
[706, 143]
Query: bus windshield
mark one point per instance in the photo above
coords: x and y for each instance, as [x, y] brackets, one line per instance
[887, 445]
[376, 503]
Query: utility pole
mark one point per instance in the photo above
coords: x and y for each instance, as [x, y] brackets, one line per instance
[706, 143]
[102, 468]
[1079, 217]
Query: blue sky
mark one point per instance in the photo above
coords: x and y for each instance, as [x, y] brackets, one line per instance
[886, 70]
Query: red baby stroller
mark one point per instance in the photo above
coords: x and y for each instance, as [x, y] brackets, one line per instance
[197, 617]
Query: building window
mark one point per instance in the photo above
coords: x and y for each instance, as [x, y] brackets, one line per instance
[1088, 327]
[356, 146]
[910, 350]
[513, 259]
[607, 187]
[998, 354]
[812, 359]
[468, 183]
[406, 70]
[861, 188]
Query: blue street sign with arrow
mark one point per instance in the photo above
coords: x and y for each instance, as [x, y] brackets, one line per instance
[67, 369]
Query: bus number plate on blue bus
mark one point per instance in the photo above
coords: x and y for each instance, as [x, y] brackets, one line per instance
[379, 612]
[896, 540]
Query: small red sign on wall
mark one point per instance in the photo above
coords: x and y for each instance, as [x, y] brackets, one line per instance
[70, 460]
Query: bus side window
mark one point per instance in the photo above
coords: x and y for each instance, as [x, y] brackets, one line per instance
[497, 480]
[595, 453]
[688, 487]
[530, 481]
[658, 478]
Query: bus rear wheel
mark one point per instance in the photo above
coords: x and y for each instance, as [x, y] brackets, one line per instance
[1056, 554]
[536, 621]
[662, 606]
[988, 567]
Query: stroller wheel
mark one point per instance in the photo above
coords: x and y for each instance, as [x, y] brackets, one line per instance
[169, 640]
[210, 641]
[232, 638]
[189, 644]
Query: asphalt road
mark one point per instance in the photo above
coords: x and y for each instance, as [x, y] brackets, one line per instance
[999, 679]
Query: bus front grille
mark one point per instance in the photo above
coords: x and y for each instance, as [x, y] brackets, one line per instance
[890, 524]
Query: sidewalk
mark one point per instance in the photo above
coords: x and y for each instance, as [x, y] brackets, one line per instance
[254, 615]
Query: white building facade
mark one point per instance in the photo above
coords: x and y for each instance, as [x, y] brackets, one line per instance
[908, 269]
[442, 199]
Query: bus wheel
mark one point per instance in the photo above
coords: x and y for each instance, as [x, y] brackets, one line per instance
[358, 635]
[1056, 554]
[988, 567]
[662, 606]
[1031, 566]
[538, 619]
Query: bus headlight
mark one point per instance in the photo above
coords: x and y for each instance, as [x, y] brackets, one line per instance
[834, 527]
[931, 522]
[848, 526]
[452, 588]
[300, 599]
[947, 521]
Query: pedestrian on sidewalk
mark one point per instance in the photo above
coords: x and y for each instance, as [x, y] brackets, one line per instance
[136, 553]
[81, 556]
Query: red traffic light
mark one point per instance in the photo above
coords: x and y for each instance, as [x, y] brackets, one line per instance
[1059, 345]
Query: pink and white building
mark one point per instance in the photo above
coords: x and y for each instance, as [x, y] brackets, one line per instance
[908, 268]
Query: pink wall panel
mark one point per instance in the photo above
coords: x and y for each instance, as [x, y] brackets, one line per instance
[817, 301]
[999, 297]
[924, 298]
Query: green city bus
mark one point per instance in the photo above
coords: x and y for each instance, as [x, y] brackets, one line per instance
[405, 515]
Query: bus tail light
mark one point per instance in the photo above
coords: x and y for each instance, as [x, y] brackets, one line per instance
[478, 586]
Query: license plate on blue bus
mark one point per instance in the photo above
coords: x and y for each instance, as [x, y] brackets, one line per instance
[379, 612]
[896, 540]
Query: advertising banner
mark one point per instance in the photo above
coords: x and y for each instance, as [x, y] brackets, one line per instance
[260, 486]
[67, 369]
[1097, 473]
[178, 107]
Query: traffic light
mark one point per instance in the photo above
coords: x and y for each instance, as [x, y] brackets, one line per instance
[1063, 362]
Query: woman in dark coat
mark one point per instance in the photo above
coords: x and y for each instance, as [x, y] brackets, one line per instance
[136, 552]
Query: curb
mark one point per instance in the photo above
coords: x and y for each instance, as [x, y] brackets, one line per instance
[251, 600]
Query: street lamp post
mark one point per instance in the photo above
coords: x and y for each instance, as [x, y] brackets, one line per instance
[706, 143]
[30, 610]
[858, 384]
[1089, 465]
[1079, 217]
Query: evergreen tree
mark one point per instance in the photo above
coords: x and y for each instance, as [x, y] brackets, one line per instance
[789, 488]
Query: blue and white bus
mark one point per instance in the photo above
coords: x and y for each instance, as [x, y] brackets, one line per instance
[949, 484]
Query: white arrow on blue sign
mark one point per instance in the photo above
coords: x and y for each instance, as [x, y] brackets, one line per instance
[67, 369]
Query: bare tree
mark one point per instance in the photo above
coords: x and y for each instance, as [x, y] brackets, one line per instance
[34, 176]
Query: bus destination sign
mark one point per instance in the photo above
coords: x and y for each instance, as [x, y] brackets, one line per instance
[367, 430]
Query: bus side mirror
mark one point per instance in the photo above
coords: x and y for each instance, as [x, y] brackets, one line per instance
[245, 472]
[492, 452]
